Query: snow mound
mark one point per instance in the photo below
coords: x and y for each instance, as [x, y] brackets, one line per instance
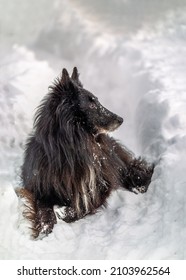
[141, 77]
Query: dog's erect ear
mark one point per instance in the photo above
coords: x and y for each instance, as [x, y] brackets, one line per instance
[75, 77]
[75, 74]
[65, 79]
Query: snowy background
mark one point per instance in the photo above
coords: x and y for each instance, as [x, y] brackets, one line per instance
[132, 55]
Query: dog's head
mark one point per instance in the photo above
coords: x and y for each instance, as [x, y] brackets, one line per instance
[87, 110]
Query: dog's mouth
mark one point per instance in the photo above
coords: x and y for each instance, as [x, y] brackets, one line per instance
[111, 126]
[116, 124]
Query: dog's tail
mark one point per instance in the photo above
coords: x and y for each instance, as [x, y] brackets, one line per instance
[30, 210]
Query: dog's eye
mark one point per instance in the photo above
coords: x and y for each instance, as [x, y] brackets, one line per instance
[92, 103]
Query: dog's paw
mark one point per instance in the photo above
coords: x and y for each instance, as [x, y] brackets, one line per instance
[43, 229]
[44, 222]
[139, 176]
[46, 228]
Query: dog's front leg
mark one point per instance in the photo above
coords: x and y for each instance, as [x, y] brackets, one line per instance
[39, 213]
[44, 220]
[135, 173]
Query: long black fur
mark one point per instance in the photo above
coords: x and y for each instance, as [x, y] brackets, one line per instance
[71, 161]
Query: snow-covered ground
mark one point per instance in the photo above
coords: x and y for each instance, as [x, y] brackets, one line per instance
[133, 57]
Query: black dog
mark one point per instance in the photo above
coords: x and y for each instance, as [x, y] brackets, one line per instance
[71, 161]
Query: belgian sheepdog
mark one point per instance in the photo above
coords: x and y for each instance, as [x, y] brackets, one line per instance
[71, 161]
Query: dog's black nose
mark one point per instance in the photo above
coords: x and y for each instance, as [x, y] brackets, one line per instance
[120, 120]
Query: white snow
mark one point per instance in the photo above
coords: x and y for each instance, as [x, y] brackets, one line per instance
[134, 59]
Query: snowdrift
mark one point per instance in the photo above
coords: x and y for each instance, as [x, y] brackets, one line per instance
[139, 74]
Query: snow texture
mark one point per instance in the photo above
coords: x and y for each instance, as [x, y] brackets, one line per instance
[133, 57]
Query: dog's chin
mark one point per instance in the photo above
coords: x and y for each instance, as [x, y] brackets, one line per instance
[108, 129]
[113, 127]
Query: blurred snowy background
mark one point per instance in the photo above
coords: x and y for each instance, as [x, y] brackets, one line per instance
[132, 55]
